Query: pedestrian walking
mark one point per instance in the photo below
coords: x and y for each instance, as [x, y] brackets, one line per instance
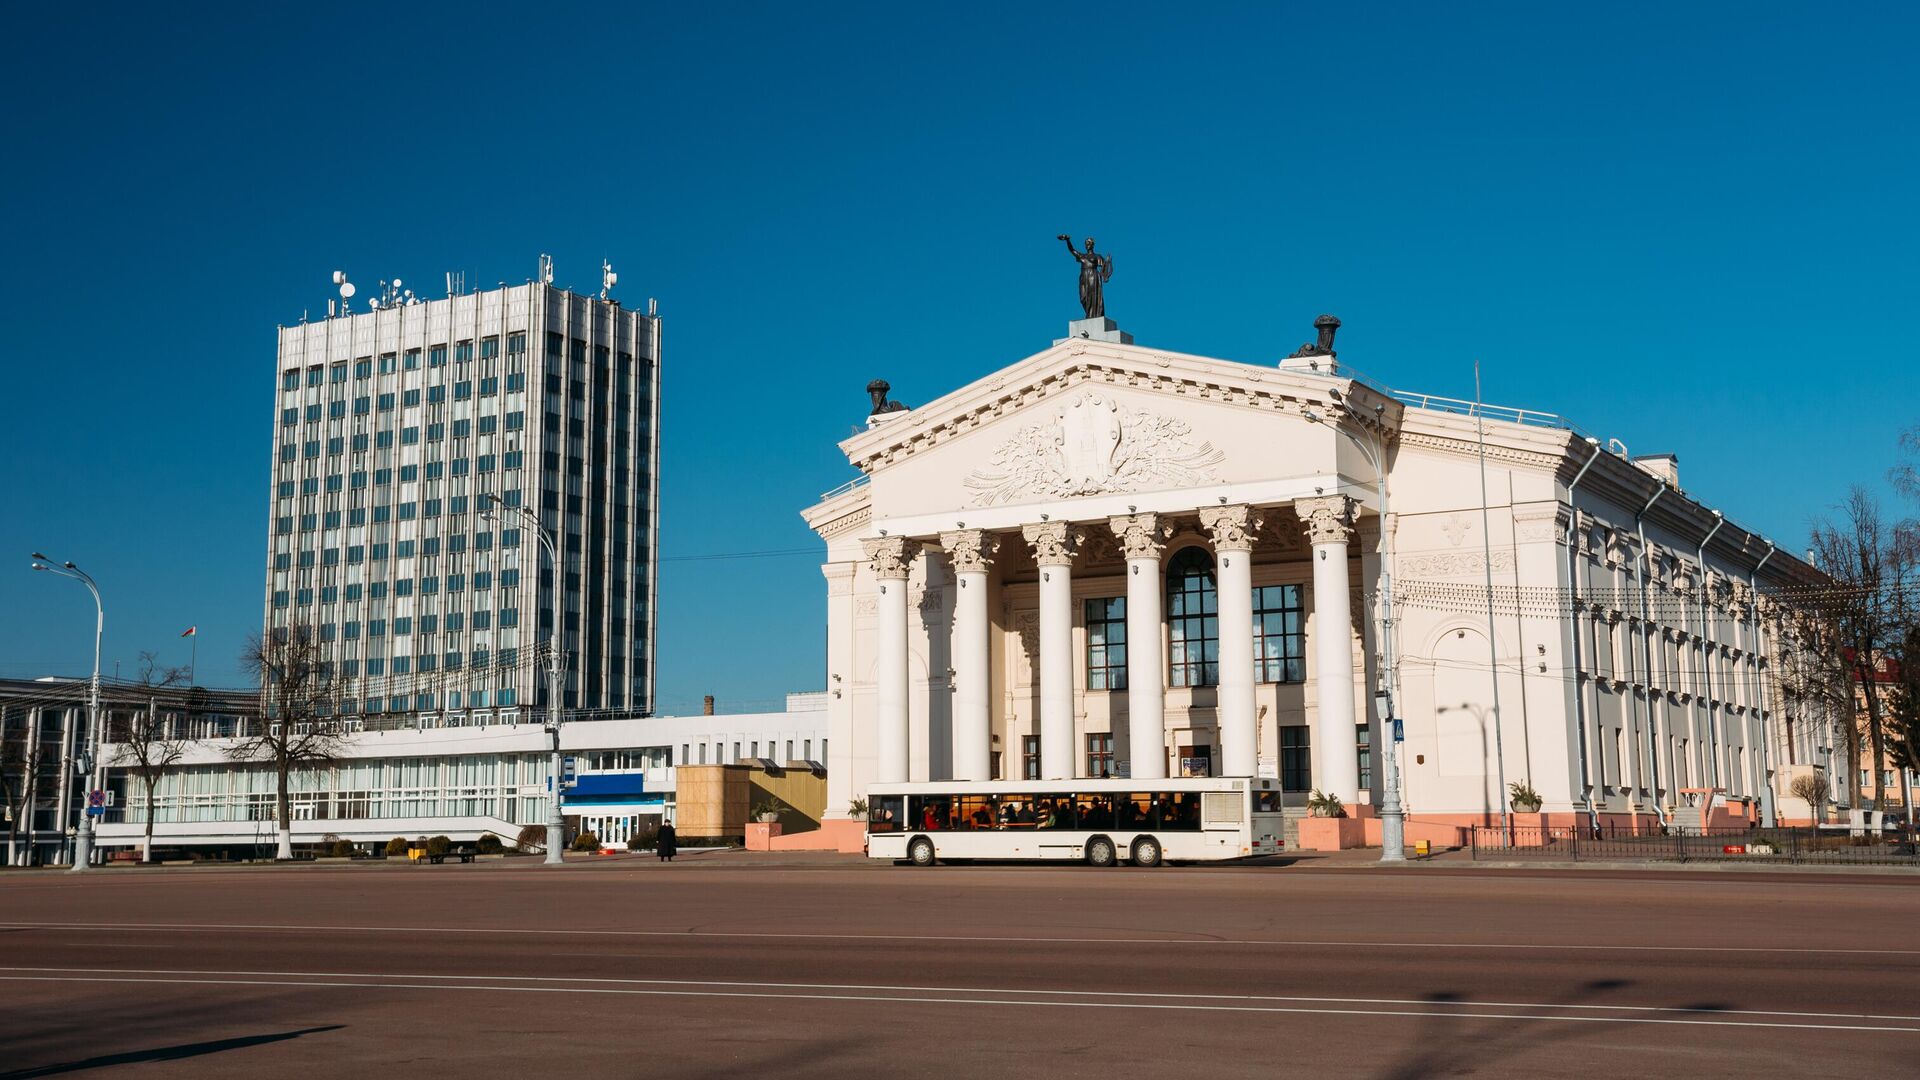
[669, 844]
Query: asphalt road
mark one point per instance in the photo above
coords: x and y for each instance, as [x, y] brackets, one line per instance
[731, 965]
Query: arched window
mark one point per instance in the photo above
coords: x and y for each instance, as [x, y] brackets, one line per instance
[1193, 620]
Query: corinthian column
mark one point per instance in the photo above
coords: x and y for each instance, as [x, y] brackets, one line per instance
[1233, 528]
[970, 551]
[891, 557]
[1055, 543]
[1329, 520]
[1142, 536]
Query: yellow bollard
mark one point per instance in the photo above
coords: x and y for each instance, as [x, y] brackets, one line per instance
[1423, 848]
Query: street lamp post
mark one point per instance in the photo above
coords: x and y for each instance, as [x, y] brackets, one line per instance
[83, 837]
[1392, 814]
[556, 823]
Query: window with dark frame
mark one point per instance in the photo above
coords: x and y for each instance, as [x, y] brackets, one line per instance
[1193, 620]
[1296, 759]
[1030, 757]
[1100, 754]
[1106, 620]
[1279, 635]
[1363, 741]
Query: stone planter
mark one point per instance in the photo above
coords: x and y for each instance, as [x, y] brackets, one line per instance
[760, 835]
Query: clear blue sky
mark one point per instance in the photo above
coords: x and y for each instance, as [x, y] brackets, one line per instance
[1693, 228]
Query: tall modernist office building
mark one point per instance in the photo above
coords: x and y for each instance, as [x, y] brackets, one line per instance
[393, 426]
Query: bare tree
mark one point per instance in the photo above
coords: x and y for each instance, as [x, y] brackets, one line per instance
[145, 747]
[1814, 788]
[1869, 607]
[298, 726]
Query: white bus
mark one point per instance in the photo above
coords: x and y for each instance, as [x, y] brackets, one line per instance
[1101, 822]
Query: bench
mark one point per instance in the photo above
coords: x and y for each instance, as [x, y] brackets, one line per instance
[464, 855]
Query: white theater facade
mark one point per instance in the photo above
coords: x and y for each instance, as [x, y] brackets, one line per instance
[1111, 560]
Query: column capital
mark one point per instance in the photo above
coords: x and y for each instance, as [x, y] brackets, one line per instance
[1232, 526]
[970, 551]
[1142, 536]
[891, 556]
[1055, 543]
[1329, 519]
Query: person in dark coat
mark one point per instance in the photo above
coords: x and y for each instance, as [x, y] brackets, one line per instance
[669, 843]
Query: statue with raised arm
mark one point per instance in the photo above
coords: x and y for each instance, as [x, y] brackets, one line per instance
[1095, 272]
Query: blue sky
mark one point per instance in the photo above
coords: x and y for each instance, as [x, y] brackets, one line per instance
[1691, 227]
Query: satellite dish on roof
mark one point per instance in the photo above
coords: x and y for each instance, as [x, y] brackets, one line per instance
[339, 277]
[346, 290]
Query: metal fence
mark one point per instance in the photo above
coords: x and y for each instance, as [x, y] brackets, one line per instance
[1779, 846]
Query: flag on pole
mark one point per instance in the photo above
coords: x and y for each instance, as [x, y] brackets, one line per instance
[191, 631]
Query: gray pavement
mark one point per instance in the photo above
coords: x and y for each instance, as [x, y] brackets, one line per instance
[819, 965]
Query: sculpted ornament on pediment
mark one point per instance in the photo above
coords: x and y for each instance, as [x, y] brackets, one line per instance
[1094, 446]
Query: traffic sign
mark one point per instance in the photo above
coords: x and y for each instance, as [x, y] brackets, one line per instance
[569, 773]
[96, 797]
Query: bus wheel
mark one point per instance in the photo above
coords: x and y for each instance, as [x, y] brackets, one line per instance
[1100, 852]
[920, 852]
[1146, 852]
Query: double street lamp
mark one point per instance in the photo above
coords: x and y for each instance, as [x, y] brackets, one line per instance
[1392, 815]
[83, 837]
[556, 824]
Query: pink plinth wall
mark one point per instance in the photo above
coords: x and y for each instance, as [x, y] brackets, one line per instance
[760, 835]
[840, 834]
[1333, 833]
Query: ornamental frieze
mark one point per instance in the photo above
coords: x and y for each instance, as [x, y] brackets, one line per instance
[1094, 446]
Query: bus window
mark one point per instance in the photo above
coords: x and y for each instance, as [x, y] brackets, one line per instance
[1180, 811]
[977, 812]
[885, 813]
[1266, 802]
[1054, 811]
[931, 811]
[1094, 811]
[1138, 811]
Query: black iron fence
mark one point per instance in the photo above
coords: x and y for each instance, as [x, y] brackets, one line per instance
[1785, 846]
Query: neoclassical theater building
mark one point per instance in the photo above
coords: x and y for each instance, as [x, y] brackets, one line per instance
[1115, 560]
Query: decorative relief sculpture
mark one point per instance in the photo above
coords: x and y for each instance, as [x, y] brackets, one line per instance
[1329, 519]
[1093, 446]
[1456, 528]
[1232, 527]
[970, 550]
[891, 556]
[1055, 543]
[1141, 535]
[1460, 564]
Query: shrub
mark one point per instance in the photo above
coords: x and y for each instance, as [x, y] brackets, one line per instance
[857, 808]
[340, 849]
[329, 840]
[766, 808]
[1525, 800]
[397, 846]
[1323, 804]
[586, 841]
[531, 838]
[439, 845]
[644, 840]
[489, 844]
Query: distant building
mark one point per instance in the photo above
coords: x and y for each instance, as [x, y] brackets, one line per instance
[393, 426]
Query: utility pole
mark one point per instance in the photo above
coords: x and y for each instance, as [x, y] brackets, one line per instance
[83, 836]
[556, 821]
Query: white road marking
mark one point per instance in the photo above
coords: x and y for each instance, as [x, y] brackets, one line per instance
[731, 984]
[896, 999]
[1556, 946]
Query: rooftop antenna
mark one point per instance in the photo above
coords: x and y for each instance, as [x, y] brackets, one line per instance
[653, 307]
[546, 269]
[456, 283]
[608, 279]
[346, 292]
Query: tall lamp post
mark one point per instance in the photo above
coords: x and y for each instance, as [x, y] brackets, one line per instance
[83, 839]
[1393, 833]
[556, 824]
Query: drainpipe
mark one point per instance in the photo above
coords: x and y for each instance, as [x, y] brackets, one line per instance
[1646, 640]
[1706, 657]
[1766, 701]
[1573, 613]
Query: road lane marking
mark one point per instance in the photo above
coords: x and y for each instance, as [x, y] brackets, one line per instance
[895, 999]
[1557, 946]
[730, 984]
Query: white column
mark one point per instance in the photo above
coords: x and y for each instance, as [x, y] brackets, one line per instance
[970, 552]
[891, 558]
[1054, 545]
[1233, 528]
[1329, 521]
[1142, 536]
